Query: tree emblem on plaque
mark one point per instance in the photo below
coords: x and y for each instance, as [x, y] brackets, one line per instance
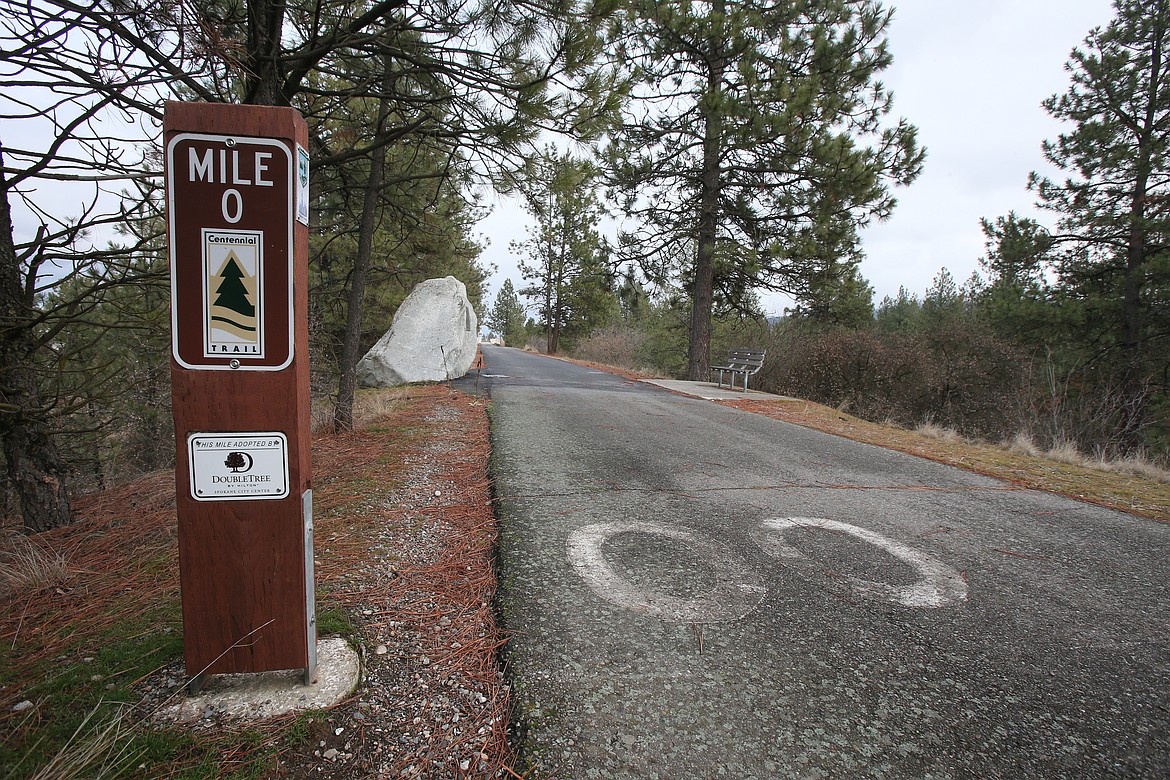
[232, 293]
[238, 461]
[232, 309]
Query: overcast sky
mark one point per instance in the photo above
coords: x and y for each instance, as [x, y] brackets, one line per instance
[971, 76]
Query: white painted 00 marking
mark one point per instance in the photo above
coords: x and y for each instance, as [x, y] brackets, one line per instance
[738, 590]
[938, 586]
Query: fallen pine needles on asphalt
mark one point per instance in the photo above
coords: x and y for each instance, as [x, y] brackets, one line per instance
[407, 550]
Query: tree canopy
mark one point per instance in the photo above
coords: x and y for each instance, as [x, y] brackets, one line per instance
[1113, 207]
[564, 254]
[756, 142]
[466, 86]
[506, 317]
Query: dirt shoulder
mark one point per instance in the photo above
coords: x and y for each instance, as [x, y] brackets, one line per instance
[1132, 494]
[404, 554]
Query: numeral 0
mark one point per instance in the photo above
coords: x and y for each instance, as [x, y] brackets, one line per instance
[232, 206]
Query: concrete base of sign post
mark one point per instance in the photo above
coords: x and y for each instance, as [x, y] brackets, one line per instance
[268, 694]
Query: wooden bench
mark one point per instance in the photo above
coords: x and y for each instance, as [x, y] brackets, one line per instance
[740, 361]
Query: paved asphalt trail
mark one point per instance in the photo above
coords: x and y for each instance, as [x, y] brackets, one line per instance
[673, 619]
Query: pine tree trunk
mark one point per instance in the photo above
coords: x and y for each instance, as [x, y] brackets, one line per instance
[561, 255]
[703, 292]
[35, 468]
[347, 384]
[265, 85]
[1134, 393]
[36, 471]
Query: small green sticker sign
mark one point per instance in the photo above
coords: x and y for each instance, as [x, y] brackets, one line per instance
[302, 185]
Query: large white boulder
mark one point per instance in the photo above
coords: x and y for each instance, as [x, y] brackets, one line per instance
[432, 338]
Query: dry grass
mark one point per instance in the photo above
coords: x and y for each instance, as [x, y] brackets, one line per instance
[370, 406]
[1023, 444]
[28, 566]
[100, 747]
[1137, 466]
[932, 431]
[1118, 488]
[1134, 467]
[1065, 452]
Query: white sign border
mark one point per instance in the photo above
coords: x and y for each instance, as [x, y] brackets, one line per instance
[259, 234]
[236, 435]
[171, 258]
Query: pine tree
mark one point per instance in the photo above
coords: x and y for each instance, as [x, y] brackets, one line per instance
[506, 317]
[564, 264]
[1114, 204]
[1016, 297]
[231, 293]
[841, 297]
[900, 315]
[757, 142]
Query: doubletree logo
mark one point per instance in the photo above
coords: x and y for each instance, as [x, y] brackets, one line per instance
[238, 461]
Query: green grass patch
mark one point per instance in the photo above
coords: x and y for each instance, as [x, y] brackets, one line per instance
[335, 621]
[76, 697]
[80, 723]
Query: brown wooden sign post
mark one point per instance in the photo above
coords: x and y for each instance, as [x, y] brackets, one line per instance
[237, 213]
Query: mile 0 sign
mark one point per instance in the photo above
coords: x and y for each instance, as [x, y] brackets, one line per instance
[237, 182]
[231, 227]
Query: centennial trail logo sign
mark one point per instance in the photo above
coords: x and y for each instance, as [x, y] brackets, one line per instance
[237, 212]
[233, 297]
[231, 224]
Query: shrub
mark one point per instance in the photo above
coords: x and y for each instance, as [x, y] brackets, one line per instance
[1023, 444]
[1084, 407]
[958, 379]
[614, 345]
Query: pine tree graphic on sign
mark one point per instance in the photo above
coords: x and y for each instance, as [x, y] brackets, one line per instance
[232, 309]
[231, 293]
